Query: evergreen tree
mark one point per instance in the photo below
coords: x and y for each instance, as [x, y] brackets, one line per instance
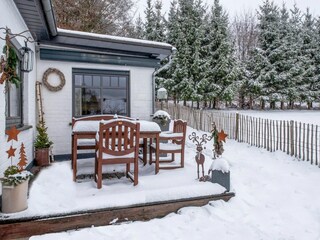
[139, 28]
[221, 70]
[150, 21]
[23, 158]
[309, 88]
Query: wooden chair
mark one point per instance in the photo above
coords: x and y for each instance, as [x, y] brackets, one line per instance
[117, 143]
[171, 143]
[86, 141]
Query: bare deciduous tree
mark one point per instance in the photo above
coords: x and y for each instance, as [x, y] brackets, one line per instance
[113, 17]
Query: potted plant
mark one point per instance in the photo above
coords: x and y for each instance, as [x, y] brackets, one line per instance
[15, 189]
[42, 146]
[163, 119]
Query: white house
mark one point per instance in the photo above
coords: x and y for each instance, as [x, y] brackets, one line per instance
[103, 74]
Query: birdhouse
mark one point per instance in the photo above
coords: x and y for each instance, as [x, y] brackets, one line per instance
[162, 94]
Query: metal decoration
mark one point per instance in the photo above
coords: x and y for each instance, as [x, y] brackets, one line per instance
[26, 53]
[200, 158]
[217, 137]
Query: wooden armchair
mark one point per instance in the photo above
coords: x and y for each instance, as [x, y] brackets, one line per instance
[172, 143]
[117, 143]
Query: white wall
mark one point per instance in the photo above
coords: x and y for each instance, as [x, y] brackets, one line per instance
[10, 17]
[58, 105]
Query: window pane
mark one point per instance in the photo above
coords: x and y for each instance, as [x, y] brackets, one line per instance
[15, 101]
[96, 81]
[78, 80]
[106, 81]
[114, 82]
[78, 102]
[88, 81]
[114, 106]
[90, 101]
[114, 93]
[122, 82]
[114, 101]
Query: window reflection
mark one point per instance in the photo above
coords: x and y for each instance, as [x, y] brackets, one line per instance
[100, 94]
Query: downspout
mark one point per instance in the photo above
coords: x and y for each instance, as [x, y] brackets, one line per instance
[48, 12]
[173, 51]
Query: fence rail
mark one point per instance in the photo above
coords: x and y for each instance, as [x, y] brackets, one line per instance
[297, 139]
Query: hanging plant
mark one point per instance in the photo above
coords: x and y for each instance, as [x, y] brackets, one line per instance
[9, 72]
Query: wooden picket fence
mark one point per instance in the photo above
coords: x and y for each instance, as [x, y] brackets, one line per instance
[297, 139]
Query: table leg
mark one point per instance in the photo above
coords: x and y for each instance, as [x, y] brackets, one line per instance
[157, 154]
[74, 157]
[145, 149]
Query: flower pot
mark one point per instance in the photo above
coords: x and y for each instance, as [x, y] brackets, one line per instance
[221, 178]
[42, 157]
[163, 127]
[15, 198]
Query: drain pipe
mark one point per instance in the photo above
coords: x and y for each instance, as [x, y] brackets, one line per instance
[49, 15]
[173, 52]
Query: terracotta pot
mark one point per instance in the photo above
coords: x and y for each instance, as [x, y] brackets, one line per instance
[42, 157]
[15, 198]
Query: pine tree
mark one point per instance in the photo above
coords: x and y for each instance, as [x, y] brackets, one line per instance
[149, 22]
[23, 158]
[310, 88]
[139, 28]
[220, 70]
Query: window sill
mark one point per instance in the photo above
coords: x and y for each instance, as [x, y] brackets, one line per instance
[23, 128]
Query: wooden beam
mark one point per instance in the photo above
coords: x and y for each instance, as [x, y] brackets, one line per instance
[27, 227]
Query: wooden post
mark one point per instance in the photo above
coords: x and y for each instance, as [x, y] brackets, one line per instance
[291, 138]
[237, 127]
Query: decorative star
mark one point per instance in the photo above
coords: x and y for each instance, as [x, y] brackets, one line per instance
[222, 136]
[12, 134]
[11, 152]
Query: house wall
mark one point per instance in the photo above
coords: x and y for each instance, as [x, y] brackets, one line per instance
[57, 106]
[10, 17]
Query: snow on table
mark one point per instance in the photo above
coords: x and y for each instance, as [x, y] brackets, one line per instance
[93, 126]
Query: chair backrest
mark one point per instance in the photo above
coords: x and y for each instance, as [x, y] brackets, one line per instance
[98, 118]
[119, 137]
[180, 126]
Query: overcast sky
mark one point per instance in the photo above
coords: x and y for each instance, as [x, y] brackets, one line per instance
[238, 6]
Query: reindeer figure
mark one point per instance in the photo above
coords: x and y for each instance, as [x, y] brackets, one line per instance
[200, 158]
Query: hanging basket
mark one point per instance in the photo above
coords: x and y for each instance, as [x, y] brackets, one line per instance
[48, 85]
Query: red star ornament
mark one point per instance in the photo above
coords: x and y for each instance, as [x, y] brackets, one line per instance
[222, 136]
[11, 152]
[12, 134]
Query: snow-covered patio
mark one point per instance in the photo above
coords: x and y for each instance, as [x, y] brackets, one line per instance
[53, 191]
[276, 198]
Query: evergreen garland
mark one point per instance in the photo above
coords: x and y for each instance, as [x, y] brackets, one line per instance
[10, 69]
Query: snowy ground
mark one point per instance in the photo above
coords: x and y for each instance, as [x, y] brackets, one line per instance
[277, 197]
[304, 116]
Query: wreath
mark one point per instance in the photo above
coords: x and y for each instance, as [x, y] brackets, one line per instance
[9, 72]
[48, 85]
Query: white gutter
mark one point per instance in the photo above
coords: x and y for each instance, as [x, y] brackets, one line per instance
[173, 52]
[48, 11]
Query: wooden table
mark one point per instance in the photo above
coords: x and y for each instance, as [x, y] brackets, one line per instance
[88, 130]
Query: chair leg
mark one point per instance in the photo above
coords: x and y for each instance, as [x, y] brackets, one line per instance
[127, 169]
[135, 174]
[182, 158]
[99, 175]
[172, 157]
[150, 152]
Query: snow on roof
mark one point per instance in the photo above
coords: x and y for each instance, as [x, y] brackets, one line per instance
[114, 38]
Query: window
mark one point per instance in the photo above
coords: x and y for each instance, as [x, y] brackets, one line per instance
[100, 92]
[14, 102]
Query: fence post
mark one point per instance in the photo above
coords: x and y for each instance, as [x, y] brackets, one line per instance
[237, 127]
[291, 138]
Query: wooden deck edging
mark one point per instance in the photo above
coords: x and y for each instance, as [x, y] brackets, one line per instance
[27, 227]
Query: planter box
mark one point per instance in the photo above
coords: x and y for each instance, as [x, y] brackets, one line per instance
[221, 178]
[15, 198]
[42, 157]
[162, 127]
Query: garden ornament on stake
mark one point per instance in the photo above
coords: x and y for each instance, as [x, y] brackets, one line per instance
[200, 158]
[217, 137]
